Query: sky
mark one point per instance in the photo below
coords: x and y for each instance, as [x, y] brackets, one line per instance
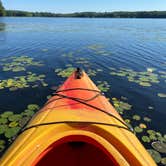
[69, 6]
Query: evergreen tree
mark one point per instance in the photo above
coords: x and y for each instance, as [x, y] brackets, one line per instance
[2, 10]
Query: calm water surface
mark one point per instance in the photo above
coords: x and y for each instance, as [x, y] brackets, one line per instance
[135, 44]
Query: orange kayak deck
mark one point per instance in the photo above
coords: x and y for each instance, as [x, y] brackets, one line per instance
[78, 126]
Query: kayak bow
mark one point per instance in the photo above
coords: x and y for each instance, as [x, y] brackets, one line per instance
[77, 127]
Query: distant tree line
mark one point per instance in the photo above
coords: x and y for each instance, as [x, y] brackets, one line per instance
[121, 14]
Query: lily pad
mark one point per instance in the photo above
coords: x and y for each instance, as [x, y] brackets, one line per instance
[11, 132]
[3, 128]
[162, 95]
[145, 139]
[146, 119]
[145, 84]
[137, 129]
[13, 124]
[142, 126]
[136, 117]
[155, 155]
[3, 121]
[33, 107]
[163, 161]
[2, 145]
[6, 114]
[159, 146]
[15, 117]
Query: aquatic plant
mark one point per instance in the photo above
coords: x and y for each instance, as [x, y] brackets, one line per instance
[69, 55]
[146, 119]
[145, 139]
[2, 145]
[155, 155]
[64, 72]
[103, 86]
[137, 129]
[142, 126]
[136, 117]
[21, 82]
[162, 95]
[163, 161]
[32, 107]
[13, 124]
[14, 117]
[144, 78]
[18, 63]
[120, 105]
[159, 146]
[3, 128]
[3, 120]
[11, 132]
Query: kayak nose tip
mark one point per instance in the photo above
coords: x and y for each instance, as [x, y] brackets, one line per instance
[78, 73]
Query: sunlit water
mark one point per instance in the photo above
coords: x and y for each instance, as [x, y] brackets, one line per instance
[135, 44]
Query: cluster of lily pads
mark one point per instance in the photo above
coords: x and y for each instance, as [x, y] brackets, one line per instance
[19, 82]
[11, 123]
[141, 128]
[104, 86]
[120, 105]
[98, 49]
[143, 78]
[18, 63]
[66, 72]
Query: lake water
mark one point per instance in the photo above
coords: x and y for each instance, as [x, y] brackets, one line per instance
[137, 44]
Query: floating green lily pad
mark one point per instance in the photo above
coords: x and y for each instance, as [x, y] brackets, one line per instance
[3, 128]
[137, 129]
[145, 139]
[11, 132]
[146, 119]
[2, 145]
[6, 114]
[136, 117]
[162, 95]
[15, 117]
[155, 155]
[159, 146]
[33, 107]
[3, 120]
[13, 124]
[163, 161]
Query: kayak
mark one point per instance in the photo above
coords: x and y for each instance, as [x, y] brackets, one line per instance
[77, 127]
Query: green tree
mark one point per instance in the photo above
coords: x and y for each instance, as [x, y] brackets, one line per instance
[2, 9]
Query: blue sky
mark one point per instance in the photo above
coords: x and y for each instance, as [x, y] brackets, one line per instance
[65, 6]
